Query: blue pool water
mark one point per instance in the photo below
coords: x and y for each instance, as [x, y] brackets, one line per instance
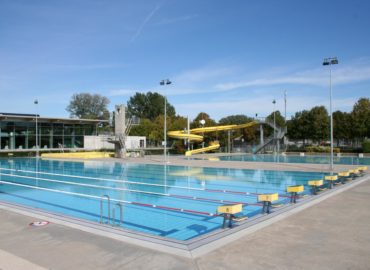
[75, 189]
[297, 159]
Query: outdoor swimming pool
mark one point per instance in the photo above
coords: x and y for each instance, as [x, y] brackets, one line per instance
[170, 201]
[298, 159]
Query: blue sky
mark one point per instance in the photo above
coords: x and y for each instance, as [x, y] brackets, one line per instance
[224, 57]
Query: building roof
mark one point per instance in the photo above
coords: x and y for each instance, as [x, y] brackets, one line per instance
[41, 119]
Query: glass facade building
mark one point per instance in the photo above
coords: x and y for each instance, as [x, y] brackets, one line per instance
[18, 131]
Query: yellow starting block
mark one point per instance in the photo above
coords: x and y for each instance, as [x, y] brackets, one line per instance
[294, 190]
[228, 212]
[331, 179]
[230, 209]
[344, 176]
[268, 197]
[315, 184]
[267, 200]
[355, 172]
[362, 170]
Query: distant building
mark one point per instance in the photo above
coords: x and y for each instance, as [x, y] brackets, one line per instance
[102, 142]
[18, 132]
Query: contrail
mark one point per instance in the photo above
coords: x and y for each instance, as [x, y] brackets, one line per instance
[146, 20]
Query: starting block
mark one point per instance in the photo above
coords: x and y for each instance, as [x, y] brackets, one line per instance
[228, 212]
[315, 184]
[344, 176]
[267, 200]
[355, 173]
[362, 170]
[331, 179]
[294, 190]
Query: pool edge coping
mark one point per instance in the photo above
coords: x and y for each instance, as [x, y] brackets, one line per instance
[192, 248]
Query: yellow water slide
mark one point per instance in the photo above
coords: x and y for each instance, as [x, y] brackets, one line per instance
[193, 135]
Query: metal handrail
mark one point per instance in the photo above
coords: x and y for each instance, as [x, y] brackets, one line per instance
[120, 214]
[101, 208]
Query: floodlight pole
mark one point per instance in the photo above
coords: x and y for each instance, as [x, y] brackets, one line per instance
[188, 127]
[286, 126]
[164, 83]
[274, 102]
[329, 62]
[285, 106]
[36, 102]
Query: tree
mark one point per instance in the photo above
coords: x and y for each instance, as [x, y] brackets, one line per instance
[313, 124]
[279, 121]
[248, 134]
[149, 106]
[143, 129]
[88, 106]
[361, 118]
[237, 119]
[342, 126]
[318, 124]
[209, 122]
[298, 126]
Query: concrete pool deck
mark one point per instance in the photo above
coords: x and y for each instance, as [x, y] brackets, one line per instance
[206, 162]
[333, 234]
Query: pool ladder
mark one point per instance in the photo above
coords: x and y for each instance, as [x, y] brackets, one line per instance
[111, 219]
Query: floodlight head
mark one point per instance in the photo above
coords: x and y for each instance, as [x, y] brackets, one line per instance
[36, 102]
[165, 82]
[274, 101]
[330, 61]
[334, 61]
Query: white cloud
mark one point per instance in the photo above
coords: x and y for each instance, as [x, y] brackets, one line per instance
[121, 92]
[261, 105]
[87, 66]
[317, 77]
[202, 74]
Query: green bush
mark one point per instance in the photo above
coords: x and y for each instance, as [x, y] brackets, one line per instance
[366, 146]
[295, 148]
[321, 149]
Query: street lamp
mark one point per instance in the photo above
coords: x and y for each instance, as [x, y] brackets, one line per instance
[274, 102]
[285, 93]
[36, 102]
[164, 83]
[202, 122]
[329, 62]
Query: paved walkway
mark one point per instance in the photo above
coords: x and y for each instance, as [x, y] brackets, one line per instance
[182, 161]
[334, 234]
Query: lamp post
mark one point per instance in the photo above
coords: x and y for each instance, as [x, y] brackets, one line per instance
[329, 62]
[285, 123]
[36, 102]
[164, 83]
[285, 93]
[202, 122]
[274, 102]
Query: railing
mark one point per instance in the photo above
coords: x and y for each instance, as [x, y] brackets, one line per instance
[101, 208]
[279, 133]
[120, 214]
